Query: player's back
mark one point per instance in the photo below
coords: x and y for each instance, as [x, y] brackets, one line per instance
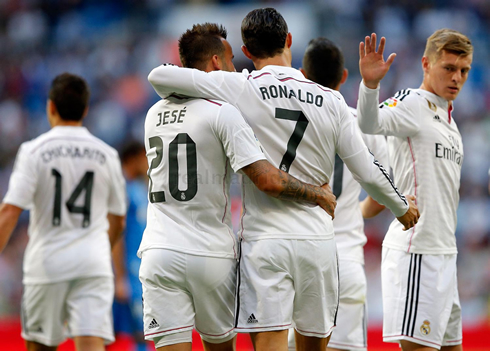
[298, 124]
[192, 144]
[70, 175]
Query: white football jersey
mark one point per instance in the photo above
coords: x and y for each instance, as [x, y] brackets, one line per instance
[70, 181]
[426, 154]
[348, 222]
[191, 145]
[301, 125]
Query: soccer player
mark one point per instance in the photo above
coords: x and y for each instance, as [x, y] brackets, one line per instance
[288, 271]
[189, 252]
[323, 63]
[73, 185]
[420, 296]
[128, 309]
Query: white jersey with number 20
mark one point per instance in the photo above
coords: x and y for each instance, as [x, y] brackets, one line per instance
[192, 146]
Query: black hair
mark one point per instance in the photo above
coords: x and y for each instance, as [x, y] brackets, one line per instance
[70, 95]
[323, 62]
[199, 44]
[264, 32]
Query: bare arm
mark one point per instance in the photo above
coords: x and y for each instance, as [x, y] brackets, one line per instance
[120, 271]
[281, 185]
[116, 227]
[370, 208]
[9, 215]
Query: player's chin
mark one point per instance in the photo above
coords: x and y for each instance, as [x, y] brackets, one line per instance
[451, 94]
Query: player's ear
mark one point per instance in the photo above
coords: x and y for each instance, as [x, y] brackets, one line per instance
[303, 71]
[216, 63]
[345, 74]
[425, 64]
[246, 52]
[85, 112]
[289, 40]
[51, 108]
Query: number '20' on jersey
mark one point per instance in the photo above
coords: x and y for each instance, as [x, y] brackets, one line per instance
[192, 147]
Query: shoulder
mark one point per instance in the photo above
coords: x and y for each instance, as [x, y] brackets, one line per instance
[404, 97]
[36, 144]
[353, 111]
[103, 146]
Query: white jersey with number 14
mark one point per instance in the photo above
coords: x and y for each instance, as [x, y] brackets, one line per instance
[70, 181]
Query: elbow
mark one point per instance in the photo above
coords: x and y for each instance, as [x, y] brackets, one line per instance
[152, 77]
[269, 187]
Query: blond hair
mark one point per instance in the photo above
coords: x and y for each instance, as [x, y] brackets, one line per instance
[449, 40]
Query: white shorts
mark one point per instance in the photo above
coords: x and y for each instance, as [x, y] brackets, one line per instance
[350, 332]
[85, 305]
[288, 283]
[420, 299]
[182, 291]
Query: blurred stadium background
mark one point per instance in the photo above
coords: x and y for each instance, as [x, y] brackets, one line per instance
[115, 43]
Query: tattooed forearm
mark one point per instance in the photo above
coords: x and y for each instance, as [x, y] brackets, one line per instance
[279, 184]
[295, 190]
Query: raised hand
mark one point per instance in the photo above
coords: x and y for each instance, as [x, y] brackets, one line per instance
[371, 63]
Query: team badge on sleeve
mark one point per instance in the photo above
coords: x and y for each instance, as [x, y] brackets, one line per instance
[391, 102]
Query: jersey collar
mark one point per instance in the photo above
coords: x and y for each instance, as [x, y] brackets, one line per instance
[439, 101]
[69, 130]
[283, 71]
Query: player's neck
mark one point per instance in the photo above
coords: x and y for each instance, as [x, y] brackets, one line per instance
[427, 87]
[278, 60]
[64, 123]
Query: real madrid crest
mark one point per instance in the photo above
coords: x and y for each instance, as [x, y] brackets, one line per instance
[425, 328]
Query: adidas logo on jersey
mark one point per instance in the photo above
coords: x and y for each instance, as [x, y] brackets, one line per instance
[153, 324]
[252, 319]
[437, 118]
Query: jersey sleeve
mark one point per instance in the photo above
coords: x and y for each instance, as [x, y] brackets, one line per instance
[117, 196]
[378, 146]
[220, 85]
[397, 118]
[23, 180]
[365, 169]
[239, 142]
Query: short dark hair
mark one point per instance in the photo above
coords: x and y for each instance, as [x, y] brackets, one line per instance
[131, 149]
[70, 95]
[323, 62]
[264, 32]
[199, 44]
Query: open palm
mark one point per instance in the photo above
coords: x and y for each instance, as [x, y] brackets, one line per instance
[371, 63]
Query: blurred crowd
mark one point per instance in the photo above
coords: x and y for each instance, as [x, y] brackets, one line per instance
[114, 44]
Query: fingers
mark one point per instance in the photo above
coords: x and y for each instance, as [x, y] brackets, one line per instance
[373, 42]
[361, 50]
[381, 47]
[367, 43]
[390, 60]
